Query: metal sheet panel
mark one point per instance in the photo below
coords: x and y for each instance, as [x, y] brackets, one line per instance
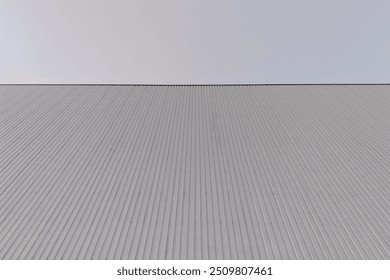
[195, 172]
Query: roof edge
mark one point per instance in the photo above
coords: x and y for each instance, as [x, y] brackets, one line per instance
[119, 84]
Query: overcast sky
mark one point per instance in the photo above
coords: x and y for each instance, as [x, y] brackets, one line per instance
[194, 41]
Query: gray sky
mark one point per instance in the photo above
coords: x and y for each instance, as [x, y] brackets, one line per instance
[194, 41]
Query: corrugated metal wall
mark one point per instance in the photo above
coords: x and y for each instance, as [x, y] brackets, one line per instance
[195, 172]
